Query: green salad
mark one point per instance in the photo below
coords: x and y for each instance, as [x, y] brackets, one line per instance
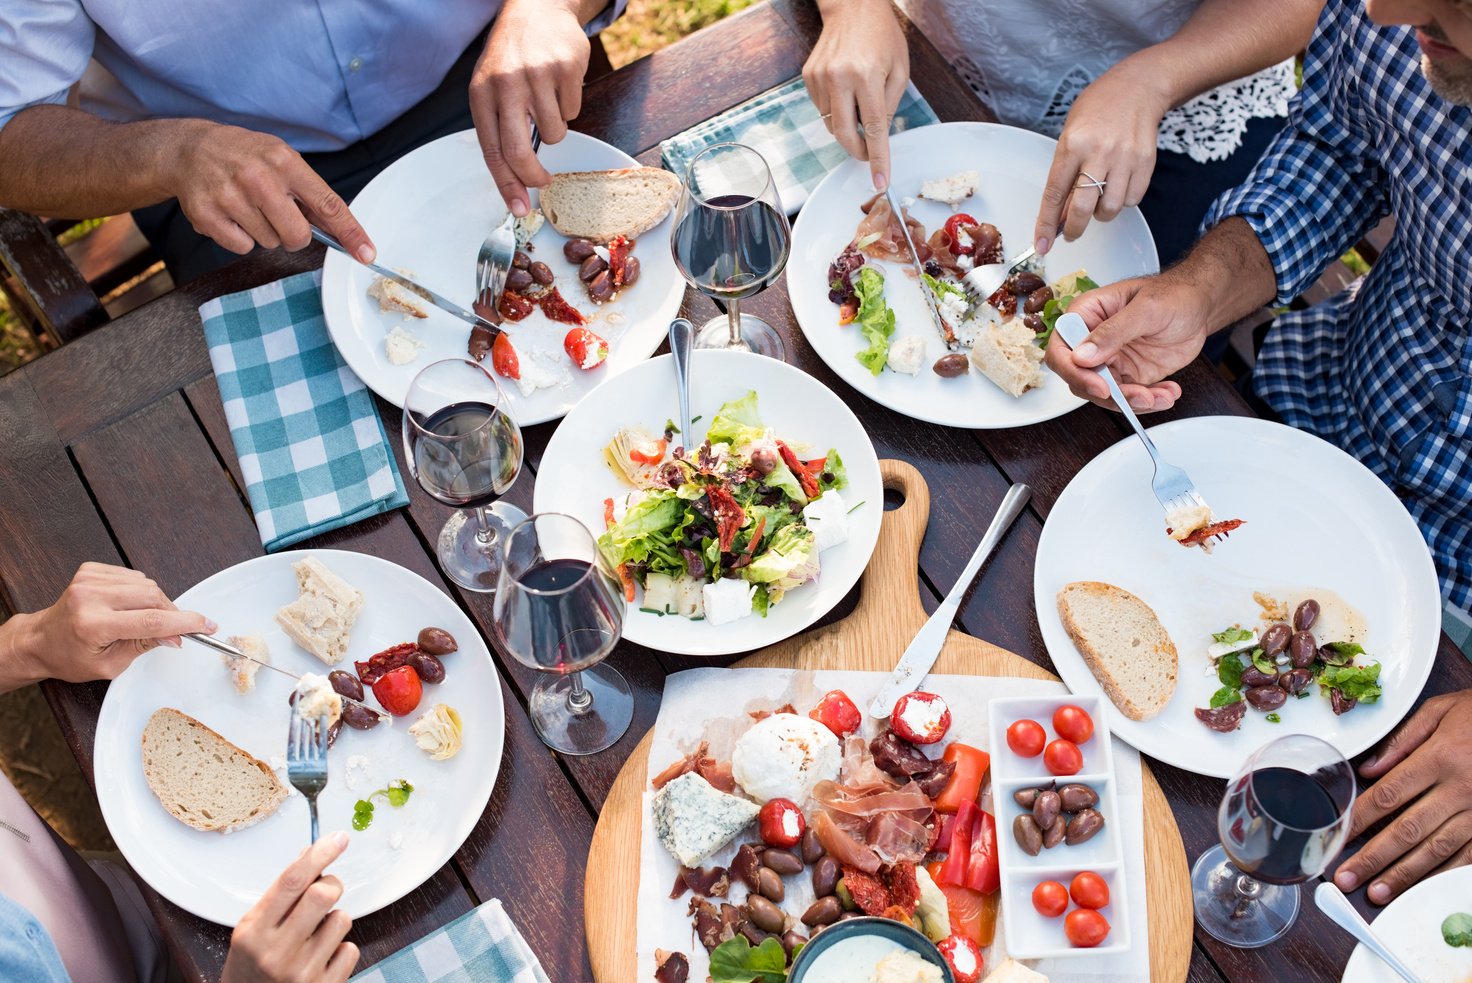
[725, 529]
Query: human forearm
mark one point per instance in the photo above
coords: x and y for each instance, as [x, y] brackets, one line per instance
[1229, 271]
[18, 666]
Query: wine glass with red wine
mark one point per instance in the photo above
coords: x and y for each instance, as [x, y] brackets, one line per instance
[730, 240]
[464, 448]
[1284, 819]
[559, 610]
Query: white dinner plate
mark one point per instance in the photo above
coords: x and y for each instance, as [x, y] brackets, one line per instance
[802, 411]
[1411, 927]
[1317, 523]
[428, 213]
[219, 877]
[1013, 166]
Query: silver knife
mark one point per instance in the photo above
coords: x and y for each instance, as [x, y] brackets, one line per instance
[209, 641]
[931, 638]
[946, 335]
[443, 303]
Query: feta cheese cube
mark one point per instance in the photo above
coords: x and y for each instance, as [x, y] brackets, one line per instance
[727, 600]
[827, 517]
[907, 354]
[693, 820]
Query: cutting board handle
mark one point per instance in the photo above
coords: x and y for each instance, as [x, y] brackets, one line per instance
[889, 595]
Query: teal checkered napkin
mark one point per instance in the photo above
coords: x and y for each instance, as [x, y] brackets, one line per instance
[481, 946]
[311, 447]
[784, 126]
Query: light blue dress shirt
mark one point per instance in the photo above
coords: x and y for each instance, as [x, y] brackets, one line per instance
[320, 74]
[26, 950]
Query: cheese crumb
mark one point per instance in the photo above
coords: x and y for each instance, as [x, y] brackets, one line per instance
[400, 346]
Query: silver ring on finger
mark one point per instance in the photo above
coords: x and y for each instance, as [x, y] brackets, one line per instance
[825, 117]
[1089, 181]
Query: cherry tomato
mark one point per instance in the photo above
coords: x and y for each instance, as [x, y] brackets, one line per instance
[587, 350]
[838, 713]
[1026, 738]
[964, 957]
[920, 718]
[504, 358]
[1063, 758]
[1089, 890]
[399, 690]
[1085, 928]
[1050, 898]
[780, 823]
[954, 224]
[1073, 723]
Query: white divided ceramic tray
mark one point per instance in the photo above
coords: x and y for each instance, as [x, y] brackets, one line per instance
[1029, 934]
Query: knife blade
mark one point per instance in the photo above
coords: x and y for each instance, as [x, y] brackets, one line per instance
[209, 641]
[925, 648]
[443, 303]
[946, 334]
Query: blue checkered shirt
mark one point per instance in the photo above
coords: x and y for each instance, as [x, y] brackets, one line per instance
[1384, 369]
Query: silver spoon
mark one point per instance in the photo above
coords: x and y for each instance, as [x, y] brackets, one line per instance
[1332, 902]
[681, 340]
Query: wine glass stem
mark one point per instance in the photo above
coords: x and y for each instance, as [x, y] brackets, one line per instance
[1248, 891]
[484, 534]
[733, 317]
[579, 700]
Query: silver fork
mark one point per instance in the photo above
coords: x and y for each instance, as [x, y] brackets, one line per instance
[983, 281]
[1173, 487]
[306, 759]
[493, 261]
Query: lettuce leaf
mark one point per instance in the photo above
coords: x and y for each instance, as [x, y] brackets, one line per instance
[875, 319]
[1360, 683]
[790, 560]
[647, 527]
[735, 961]
[1074, 284]
[833, 466]
[736, 422]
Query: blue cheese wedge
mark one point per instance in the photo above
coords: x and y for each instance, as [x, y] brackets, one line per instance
[693, 820]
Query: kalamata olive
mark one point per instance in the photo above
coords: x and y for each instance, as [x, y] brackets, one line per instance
[1306, 615]
[769, 883]
[1083, 826]
[436, 641]
[744, 866]
[1223, 719]
[518, 281]
[1036, 300]
[1028, 835]
[764, 460]
[542, 273]
[952, 365]
[631, 269]
[577, 250]
[753, 934]
[824, 911]
[1275, 639]
[845, 916]
[359, 717]
[1025, 282]
[791, 940]
[1266, 697]
[767, 916]
[1045, 810]
[825, 876]
[1053, 835]
[1295, 681]
[346, 684]
[1025, 797]
[430, 669]
[600, 288]
[1034, 323]
[1340, 703]
[987, 240]
[333, 731]
[591, 267]
[784, 862]
[520, 261]
[1253, 676]
[812, 847]
[1302, 649]
[1075, 797]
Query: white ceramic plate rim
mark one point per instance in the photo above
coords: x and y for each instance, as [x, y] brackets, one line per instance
[1426, 905]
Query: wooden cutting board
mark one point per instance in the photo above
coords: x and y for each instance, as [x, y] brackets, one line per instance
[871, 638]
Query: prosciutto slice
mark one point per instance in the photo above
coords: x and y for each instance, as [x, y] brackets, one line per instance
[895, 837]
[908, 800]
[880, 220]
[717, 773]
[842, 846]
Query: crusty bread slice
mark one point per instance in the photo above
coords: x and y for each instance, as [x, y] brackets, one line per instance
[322, 617]
[1007, 355]
[243, 671]
[600, 205]
[393, 296]
[204, 780]
[1124, 645]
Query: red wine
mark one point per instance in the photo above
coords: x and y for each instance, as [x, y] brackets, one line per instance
[563, 631]
[467, 454]
[1279, 823]
[734, 250]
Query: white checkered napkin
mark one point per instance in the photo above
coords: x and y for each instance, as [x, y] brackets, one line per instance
[784, 126]
[311, 447]
[481, 946]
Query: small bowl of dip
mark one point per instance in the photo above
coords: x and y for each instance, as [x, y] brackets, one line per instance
[870, 950]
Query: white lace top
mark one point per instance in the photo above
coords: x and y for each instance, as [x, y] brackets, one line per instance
[1029, 59]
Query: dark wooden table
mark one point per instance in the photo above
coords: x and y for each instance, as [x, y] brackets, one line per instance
[115, 449]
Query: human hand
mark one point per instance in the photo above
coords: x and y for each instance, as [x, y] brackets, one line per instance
[531, 71]
[1109, 136]
[861, 60]
[106, 618]
[242, 188]
[1143, 329]
[1422, 770]
[293, 934]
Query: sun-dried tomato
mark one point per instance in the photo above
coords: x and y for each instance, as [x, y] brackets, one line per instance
[514, 307]
[556, 307]
[728, 514]
[390, 658]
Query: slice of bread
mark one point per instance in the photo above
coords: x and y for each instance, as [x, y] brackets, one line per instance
[243, 671]
[1124, 645]
[202, 779]
[1007, 355]
[393, 296]
[600, 205]
[322, 617]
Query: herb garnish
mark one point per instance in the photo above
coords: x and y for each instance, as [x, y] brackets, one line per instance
[396, 794]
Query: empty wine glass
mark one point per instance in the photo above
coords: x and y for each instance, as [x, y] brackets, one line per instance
[558, 609]
[465, 449]
[730, 239]
[1284, 819]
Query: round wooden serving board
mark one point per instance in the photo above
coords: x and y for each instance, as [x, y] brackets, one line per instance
[872, 638]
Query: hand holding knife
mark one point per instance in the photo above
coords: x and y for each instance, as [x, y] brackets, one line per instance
[209, 641]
